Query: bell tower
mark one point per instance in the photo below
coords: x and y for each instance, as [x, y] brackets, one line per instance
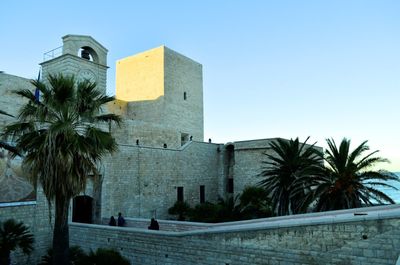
[81, 56]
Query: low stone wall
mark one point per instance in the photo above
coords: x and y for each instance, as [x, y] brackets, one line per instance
[366, 238]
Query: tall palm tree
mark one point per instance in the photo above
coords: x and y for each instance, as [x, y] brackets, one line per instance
[14, 235]
[287, 172]
[62, 142]
[349, 181]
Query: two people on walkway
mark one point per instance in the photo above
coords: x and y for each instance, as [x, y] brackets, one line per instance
[120, 221]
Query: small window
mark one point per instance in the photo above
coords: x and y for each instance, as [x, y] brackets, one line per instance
[179, 194]
[202, 194]
[184, 96]
[230, 185]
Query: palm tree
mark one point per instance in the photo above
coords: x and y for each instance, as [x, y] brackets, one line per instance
[349, 181]
[288, 170]
[254, 203]
[62, 142]
[14, 235]
[4, 144]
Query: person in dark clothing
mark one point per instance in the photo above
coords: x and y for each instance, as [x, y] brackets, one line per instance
[112, 221]
[154, 225]
[121, 220]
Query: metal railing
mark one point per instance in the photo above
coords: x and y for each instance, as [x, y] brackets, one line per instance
[52, 54]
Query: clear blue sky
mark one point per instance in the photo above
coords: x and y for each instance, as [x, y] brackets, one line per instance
[271, 68]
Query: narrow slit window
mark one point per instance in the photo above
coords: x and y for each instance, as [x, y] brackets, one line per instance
[184, 95]
[202, 194]
[180, 194]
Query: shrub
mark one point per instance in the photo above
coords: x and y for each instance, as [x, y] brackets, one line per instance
[205, 212]
[181, 209]
[104, 256]
[254, 203]
[76, 255]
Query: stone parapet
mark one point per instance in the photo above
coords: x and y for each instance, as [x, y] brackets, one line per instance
[360, 239]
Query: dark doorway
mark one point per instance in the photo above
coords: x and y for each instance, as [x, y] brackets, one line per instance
[82, 209]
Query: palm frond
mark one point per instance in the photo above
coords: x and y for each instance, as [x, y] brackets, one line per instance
[5, 113]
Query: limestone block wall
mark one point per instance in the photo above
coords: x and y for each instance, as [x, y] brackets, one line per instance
[184, 94]
[332, 241]
[148, 134]
[324, 238]
[69, 64]
[142, 181]
[141, 78]
[248, 156]
[163, 87]
[9, 102]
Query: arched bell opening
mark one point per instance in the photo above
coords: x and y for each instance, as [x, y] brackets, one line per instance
[89, 54]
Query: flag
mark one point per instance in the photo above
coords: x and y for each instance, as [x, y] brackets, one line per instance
[37, 91]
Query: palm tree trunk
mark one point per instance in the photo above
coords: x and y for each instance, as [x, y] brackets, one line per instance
[61, 232]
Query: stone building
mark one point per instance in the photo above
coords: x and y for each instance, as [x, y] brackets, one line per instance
[162, 157]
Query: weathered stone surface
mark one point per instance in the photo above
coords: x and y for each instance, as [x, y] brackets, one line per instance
[241, 243]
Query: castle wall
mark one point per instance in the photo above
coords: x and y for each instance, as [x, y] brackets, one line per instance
[10, 102]
[141, 77]
[184, 78]
[148, 134]
[165, 88]
[249, 156]
[348, 240]
[140, 181]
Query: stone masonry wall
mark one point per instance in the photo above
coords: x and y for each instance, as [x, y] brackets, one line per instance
[180, 106]
[248, 156]
[9, 102]
[183, 75]
[68, 64]
[148, 134]
[356, 240]
[142, 181]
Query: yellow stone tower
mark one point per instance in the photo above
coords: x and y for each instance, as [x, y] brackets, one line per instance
[165, 88]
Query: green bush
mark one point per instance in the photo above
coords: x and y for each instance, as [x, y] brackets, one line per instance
[77, 256]
[251, 204]
[205, 212]
[255, 203]
[181, 209]
[104, 256]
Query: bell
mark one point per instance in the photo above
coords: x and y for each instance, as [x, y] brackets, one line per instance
[85, 54]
